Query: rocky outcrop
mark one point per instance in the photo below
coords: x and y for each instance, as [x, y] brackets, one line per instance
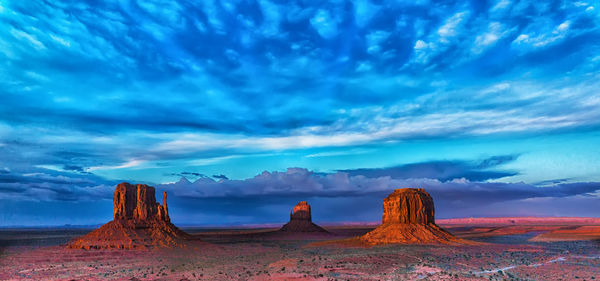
[301, 220]
[408, 217]
[139, 222]
[301, 212]
[137, 202]
[408, 205]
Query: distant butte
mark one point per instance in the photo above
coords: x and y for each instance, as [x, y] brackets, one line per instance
[408, 218]
[139, 222]
[301, 220]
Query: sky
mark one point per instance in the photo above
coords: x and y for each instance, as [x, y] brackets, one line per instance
[240, 109]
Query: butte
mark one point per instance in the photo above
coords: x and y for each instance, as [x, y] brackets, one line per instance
[408, 218]
[301, 220]
[139, 222]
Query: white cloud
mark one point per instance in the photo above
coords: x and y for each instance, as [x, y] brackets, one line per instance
[490, 37]
[452, 25]
[324, 24]
[60, 40]
[129, 164]
[542, 39]
[420, 44]
[272, 17]
[502, 4]
[364, 66]
[374, 39]
[496, 88]
[564, 26]
[210, 9]
[31, 39]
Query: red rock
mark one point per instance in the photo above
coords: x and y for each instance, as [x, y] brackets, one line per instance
[301, 220]
[408, 205]
[139, 222]
[138, 202]
[408, 217]
[301, 212]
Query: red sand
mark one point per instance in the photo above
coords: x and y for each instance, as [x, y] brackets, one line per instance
[262, 255]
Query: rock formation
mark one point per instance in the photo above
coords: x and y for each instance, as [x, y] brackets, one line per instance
[138, 222]
[408, 217]
[301, 220]
[138, 203]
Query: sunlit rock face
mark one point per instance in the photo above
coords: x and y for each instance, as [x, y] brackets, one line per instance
[137, 202]
[301, 212]
[301, 220]
[408, 205]
[408, 218]
[139, 223]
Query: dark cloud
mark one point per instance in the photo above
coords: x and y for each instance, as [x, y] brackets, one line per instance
[221, 177]
[342, 197]
[268, 196]
[189, 174]
[38, 184]
[74, 168]
[483, 170]
[301, 182]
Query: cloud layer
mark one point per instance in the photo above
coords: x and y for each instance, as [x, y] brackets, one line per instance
[202, 77]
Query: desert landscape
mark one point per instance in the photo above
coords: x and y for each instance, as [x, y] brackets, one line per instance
[299, 140]
[141, 244]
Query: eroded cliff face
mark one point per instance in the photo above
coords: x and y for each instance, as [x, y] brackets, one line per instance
[301, 220]
[139, 223]
[137, 202]
[301, 212]
[408, 205]
[408, 218]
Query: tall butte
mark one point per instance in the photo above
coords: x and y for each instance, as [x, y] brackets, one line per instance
[139, 222]
[408, 218]
[301, 220]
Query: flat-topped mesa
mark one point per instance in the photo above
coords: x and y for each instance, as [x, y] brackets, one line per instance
[139, 223]
[137, 202]
[408, 217]
[408, 205]
[301, 212]
[301, 220]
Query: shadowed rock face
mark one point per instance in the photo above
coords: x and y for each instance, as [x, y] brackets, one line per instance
[139, 222]
[301, 220]
[408, 217]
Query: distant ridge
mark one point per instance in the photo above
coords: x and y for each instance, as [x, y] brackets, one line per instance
[521, 221]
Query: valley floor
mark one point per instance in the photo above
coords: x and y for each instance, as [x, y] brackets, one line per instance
[509, 254]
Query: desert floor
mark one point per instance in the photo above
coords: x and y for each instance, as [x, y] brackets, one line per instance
[509, 253]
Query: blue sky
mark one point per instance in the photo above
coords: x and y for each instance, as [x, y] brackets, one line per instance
[339, 101]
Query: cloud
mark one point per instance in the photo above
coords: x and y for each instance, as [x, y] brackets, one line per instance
[334, 196]
[74, 168]
[452, 25]
[483, 170]
[297, 182]
[221, 177]
[325, 25]
[48, 185]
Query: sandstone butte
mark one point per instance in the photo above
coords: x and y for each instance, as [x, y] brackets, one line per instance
[139, 222]
[408, 218]
[301, 220]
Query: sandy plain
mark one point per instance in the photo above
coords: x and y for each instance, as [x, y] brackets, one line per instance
[509, 251]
